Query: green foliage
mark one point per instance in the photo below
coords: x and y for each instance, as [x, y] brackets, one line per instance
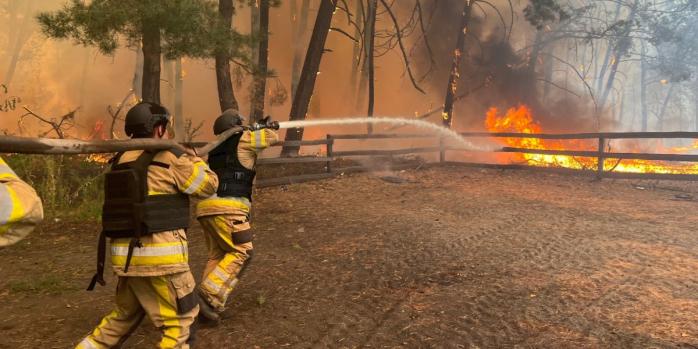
[69, 186]
[188, 27]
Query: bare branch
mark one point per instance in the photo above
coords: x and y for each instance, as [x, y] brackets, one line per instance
[339, 30]
[402, 46]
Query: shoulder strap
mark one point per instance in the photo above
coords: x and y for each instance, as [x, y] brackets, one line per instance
[141, 167]
[114, 161]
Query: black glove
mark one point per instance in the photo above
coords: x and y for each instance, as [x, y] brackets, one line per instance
[269, 123]
[274, 125]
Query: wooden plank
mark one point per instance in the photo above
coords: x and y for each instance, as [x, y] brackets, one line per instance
[293, 160]
[268, 182]
[600, 157]
[594, 154]
[581, 153]
[576, 172]
[385, 152]
[300, 143]
[382, 136]
[330, 153]
[607, 135]
[651, 176]
[530, 135]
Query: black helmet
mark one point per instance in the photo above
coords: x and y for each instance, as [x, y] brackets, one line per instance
[144, 117]
[229, 119]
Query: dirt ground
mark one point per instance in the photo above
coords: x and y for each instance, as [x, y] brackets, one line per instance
[446, 257]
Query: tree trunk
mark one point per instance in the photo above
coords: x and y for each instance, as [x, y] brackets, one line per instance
[179, 101]
[643, 88]
[621, 110]
[23, 33]
[695, 103]
[168, 99]
[260, 84]
[369, 32]
[137, 82]
[548, 69]
[83, 76]
[356, 59]
[455, 67]
[224, 81]
[607, 58]
[373, 5]
[662, 112]
[619, 51]
[300, 26]
[311, 66]
[151, 64]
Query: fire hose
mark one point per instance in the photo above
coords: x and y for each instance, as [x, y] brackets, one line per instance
[34, 145]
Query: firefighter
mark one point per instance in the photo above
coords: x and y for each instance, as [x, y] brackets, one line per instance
[145, 214]
[20, 207]
[225, 216]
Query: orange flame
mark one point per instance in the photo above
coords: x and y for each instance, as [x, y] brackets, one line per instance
[520, 120]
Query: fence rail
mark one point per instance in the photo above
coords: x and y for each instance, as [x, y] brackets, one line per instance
[600, 153]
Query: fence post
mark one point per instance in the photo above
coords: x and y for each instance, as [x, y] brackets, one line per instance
[442, 151]
[329, 146]
[601, 158]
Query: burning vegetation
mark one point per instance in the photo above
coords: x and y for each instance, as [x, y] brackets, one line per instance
[521, 120]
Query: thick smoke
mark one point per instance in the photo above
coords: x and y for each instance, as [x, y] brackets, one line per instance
[498, 69]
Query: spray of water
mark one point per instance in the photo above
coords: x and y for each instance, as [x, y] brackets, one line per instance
[424, 125]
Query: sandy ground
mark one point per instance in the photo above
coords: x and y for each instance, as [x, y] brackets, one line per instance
[444, 258]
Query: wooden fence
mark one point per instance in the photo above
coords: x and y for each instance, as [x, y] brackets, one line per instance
[600, 154]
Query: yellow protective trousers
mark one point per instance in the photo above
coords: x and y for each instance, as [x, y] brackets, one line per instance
[169, 302]
[226, 258]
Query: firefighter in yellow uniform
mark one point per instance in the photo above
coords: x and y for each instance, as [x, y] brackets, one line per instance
[20, 207]
[225, 217]
[146, 221]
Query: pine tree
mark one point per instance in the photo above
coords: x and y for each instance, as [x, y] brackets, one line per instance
[175, 28]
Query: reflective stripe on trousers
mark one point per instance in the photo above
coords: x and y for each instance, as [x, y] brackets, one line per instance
[232, 202]
[221, 281]
[87, 344]
[151, 254]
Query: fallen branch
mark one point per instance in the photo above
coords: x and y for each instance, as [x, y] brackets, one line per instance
[29, 145]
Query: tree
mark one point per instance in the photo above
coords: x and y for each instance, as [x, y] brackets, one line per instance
[311, 66]
[224, 81]
[370, 57]
[455, 67]
[261, 71]
[299, 23]
[20, 32]
[174, 28]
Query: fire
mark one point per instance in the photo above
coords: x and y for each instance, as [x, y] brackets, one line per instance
[520, 120]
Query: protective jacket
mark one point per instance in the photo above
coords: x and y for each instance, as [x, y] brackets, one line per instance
[238, 156]
[162, 245]
[20, 207]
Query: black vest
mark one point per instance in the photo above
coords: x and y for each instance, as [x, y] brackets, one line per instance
[234, 179]
[129, 212]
